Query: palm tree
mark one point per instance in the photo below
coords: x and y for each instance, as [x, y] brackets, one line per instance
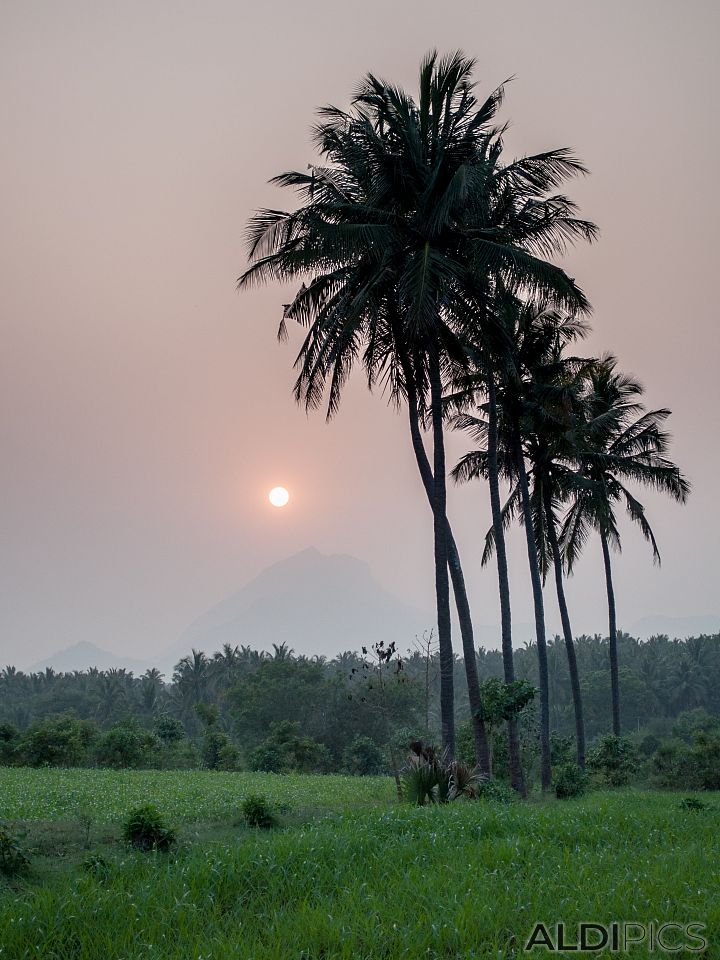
[410, 209]
[620, 443]
[523, 423]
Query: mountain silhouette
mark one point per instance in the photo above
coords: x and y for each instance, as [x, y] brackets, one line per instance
[83, 655]
[313, 602]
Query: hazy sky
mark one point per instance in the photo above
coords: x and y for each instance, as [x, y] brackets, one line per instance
[145, 406]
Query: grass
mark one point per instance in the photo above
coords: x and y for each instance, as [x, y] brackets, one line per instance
[364, 880]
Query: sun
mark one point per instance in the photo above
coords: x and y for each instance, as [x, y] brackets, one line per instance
[278, 496]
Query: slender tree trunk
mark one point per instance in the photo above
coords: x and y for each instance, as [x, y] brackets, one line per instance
[442, 583]
[545, 763]
[614, 671]
[482, 750]
[516, 773]
[567, 634]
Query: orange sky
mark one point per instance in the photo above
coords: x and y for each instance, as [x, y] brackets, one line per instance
[145, 407]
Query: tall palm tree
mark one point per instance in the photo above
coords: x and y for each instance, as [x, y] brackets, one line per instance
[535, 379]
[620, 443]
[410, 208]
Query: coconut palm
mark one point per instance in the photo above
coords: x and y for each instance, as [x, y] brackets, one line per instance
[395, 232]
[522, 422]
[620, 443]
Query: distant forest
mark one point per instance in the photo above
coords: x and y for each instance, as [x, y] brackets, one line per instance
[243, 708]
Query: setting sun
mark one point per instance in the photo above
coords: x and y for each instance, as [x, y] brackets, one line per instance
[278, 496]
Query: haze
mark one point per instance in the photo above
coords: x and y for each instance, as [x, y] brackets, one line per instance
[146, 408]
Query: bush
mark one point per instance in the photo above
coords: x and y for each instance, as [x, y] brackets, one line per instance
[569, 781]
[267, 758]
[13, 857]
[126, 745]
[169, 729]
[60, 741]
[613, 759]
[9, 740]
[363, 757]
[218, 750]
[495, 791]
[145, 829]
[285, 751]
[675, 764]
[258, 811]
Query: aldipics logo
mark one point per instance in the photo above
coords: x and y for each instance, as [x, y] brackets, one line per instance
[618, 937]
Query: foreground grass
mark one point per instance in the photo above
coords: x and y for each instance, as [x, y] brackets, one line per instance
[463, 881]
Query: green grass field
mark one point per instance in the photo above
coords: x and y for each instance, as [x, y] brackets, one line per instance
[350, 874]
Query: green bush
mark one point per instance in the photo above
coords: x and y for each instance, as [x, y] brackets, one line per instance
[126, 745]
[145, 829]
[169, 729]
[258, 811]
[613, 759]
[363, 757]
[697, 766]
[59, 741]
[13, 857]
[9, 741]
[495, 791]
[218, 751]
[285, 751]
[267, 758]
[569, 781]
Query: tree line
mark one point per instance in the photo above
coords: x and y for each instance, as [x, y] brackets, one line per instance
[428, 259]
[245, 708]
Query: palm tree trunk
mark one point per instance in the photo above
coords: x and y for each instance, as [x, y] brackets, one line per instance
[545, 763]
[442, 584]
[482, 749]
[567, 634]
[516, 773]
[614, 671]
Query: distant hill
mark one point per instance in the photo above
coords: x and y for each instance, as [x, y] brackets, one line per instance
[83, 655]
[675, 627]
[315, 603]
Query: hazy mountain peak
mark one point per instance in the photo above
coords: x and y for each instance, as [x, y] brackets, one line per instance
[316, 603]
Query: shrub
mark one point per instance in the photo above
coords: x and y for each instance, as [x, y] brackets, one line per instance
[613, 759]
[60, 741]
[126, 745]
[13, 857]
[169, 729]
[692, 803]
[562, 750]
[285, 751]
[363, 757]
[258, 811]
[675, 764]
[495, 791]
[267, 758]
[569, 781]
[218, 750]
[428, 778]
[9, 740]
[705, 758]
[145, 829]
